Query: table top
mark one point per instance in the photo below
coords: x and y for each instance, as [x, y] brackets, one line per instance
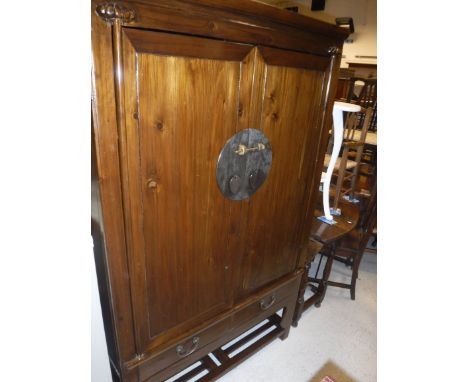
[345, 223]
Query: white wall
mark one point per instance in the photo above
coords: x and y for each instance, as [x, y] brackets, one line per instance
[364, 14]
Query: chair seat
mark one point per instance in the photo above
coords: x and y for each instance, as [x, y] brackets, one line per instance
[349, 163]
[371, 137]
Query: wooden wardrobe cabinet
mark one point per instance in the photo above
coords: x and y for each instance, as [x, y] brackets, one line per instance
[184, 268]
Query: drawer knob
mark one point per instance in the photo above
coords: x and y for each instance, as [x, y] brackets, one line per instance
[183, 352]
[265, 305]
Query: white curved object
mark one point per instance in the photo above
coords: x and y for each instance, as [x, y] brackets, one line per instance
[344, 106]
[338, 109]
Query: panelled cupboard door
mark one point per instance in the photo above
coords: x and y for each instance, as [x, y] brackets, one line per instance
[182, 98]
[193, 252]
[290, 114]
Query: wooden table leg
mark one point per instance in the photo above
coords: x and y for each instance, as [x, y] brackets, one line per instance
[300, 299]
[324, 282]
[318, 297]
[307, 256]
[354, 276]
[321, 289]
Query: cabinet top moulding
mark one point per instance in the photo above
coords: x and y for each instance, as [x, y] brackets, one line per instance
[241, 21]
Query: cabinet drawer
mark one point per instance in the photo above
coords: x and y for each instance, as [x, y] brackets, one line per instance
[250, 312]
[268, 302]
[187, 348]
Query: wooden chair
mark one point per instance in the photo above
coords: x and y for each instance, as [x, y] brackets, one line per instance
[347, 166]
[350, 247]
[342, 87]
[344, 241]
[364, 95]
[326, 231]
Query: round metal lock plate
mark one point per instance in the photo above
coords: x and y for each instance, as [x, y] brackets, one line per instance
[243, 164]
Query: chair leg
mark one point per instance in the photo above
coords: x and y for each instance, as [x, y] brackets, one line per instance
[356, 263]
[349, 261]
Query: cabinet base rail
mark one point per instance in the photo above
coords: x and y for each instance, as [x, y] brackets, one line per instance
[233, 353]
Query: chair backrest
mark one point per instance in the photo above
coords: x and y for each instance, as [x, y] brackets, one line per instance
[366, 96]
[354, 137]
[373, 124]
[342, 87]
[357, 125]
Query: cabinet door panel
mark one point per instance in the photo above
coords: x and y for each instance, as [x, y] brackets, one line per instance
[187, 110]
[182, 99]
[291, 115]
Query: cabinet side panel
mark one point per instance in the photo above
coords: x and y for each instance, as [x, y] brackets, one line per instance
[97, 232]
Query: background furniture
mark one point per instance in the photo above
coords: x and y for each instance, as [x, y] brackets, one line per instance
[363, 70]
[352, 246]
[331, 160]
[344, 77]
[328, 236]
[363, 91]
[347, 166]
[210, 126]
